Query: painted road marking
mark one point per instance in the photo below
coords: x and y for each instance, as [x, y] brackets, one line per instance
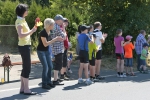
[33, 86]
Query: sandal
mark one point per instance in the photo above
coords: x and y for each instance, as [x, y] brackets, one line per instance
[132, 74]
[32, 93]
[127, 74]
[21, 92]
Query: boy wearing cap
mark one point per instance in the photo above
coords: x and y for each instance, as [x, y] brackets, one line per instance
[128, 48]
[83, 41]
[58, 47]
[143, 57]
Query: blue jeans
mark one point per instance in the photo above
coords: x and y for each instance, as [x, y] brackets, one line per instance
[45, 59]
[138, 61]
[128, 62]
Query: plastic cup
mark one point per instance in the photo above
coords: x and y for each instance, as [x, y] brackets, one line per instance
[2, 80]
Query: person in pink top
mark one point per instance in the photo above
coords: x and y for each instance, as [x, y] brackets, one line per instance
[119, 43]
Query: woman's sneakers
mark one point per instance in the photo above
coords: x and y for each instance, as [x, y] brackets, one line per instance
[122, 75]
[87, 82]
[70, 71]
[80, 81]
[58, 82]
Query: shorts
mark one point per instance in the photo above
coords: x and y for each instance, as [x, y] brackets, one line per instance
[120, 56]
[65, 58]
[143, 62]
[84, 56]
[92, 61]
[69, 59]
[99, 55]
[58, 61]
[128, 62]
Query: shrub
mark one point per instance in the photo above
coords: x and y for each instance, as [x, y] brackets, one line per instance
[73, 42]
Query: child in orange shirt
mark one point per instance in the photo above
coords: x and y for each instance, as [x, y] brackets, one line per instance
[128, 48]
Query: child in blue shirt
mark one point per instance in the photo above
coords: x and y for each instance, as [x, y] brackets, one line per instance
[83, 41]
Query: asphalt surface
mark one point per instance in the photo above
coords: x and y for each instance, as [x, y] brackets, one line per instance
[112, 88]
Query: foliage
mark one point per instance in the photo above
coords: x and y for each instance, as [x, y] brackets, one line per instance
[73, 42]
[129, 15]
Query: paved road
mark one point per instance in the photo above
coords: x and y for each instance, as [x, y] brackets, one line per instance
[112, 88]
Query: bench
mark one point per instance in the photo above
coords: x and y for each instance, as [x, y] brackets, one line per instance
[7, 68]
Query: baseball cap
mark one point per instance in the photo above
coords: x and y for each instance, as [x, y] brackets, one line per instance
[128, 37]
[65, 20]
[84, 27]
[145, 44]
[59, 17]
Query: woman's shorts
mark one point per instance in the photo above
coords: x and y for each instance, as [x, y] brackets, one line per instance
[92, 61]
[120, 56]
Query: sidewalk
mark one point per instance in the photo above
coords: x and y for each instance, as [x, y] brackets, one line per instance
[16, 70]
[36, 70]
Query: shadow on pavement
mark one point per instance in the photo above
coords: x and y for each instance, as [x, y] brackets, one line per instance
[22, 97]
[74, 87]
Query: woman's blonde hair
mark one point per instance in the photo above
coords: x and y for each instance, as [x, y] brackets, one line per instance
[48, 22]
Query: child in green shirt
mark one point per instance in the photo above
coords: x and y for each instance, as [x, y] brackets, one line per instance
[92, 54]
[143, 57]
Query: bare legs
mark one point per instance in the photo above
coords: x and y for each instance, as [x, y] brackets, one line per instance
[85, 67]
[22, 85]
[92, 71]
[97, 67]
[120, 66]
[25, 85]
[81, 69]
[55, 75]
[63, 70]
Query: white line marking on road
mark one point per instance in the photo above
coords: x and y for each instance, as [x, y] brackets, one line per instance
[17, 88]
[38, 85]
[33, 86]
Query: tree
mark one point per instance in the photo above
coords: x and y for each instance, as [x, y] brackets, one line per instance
[129, 15]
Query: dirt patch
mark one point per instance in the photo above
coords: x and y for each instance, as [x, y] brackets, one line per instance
[108, 62]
